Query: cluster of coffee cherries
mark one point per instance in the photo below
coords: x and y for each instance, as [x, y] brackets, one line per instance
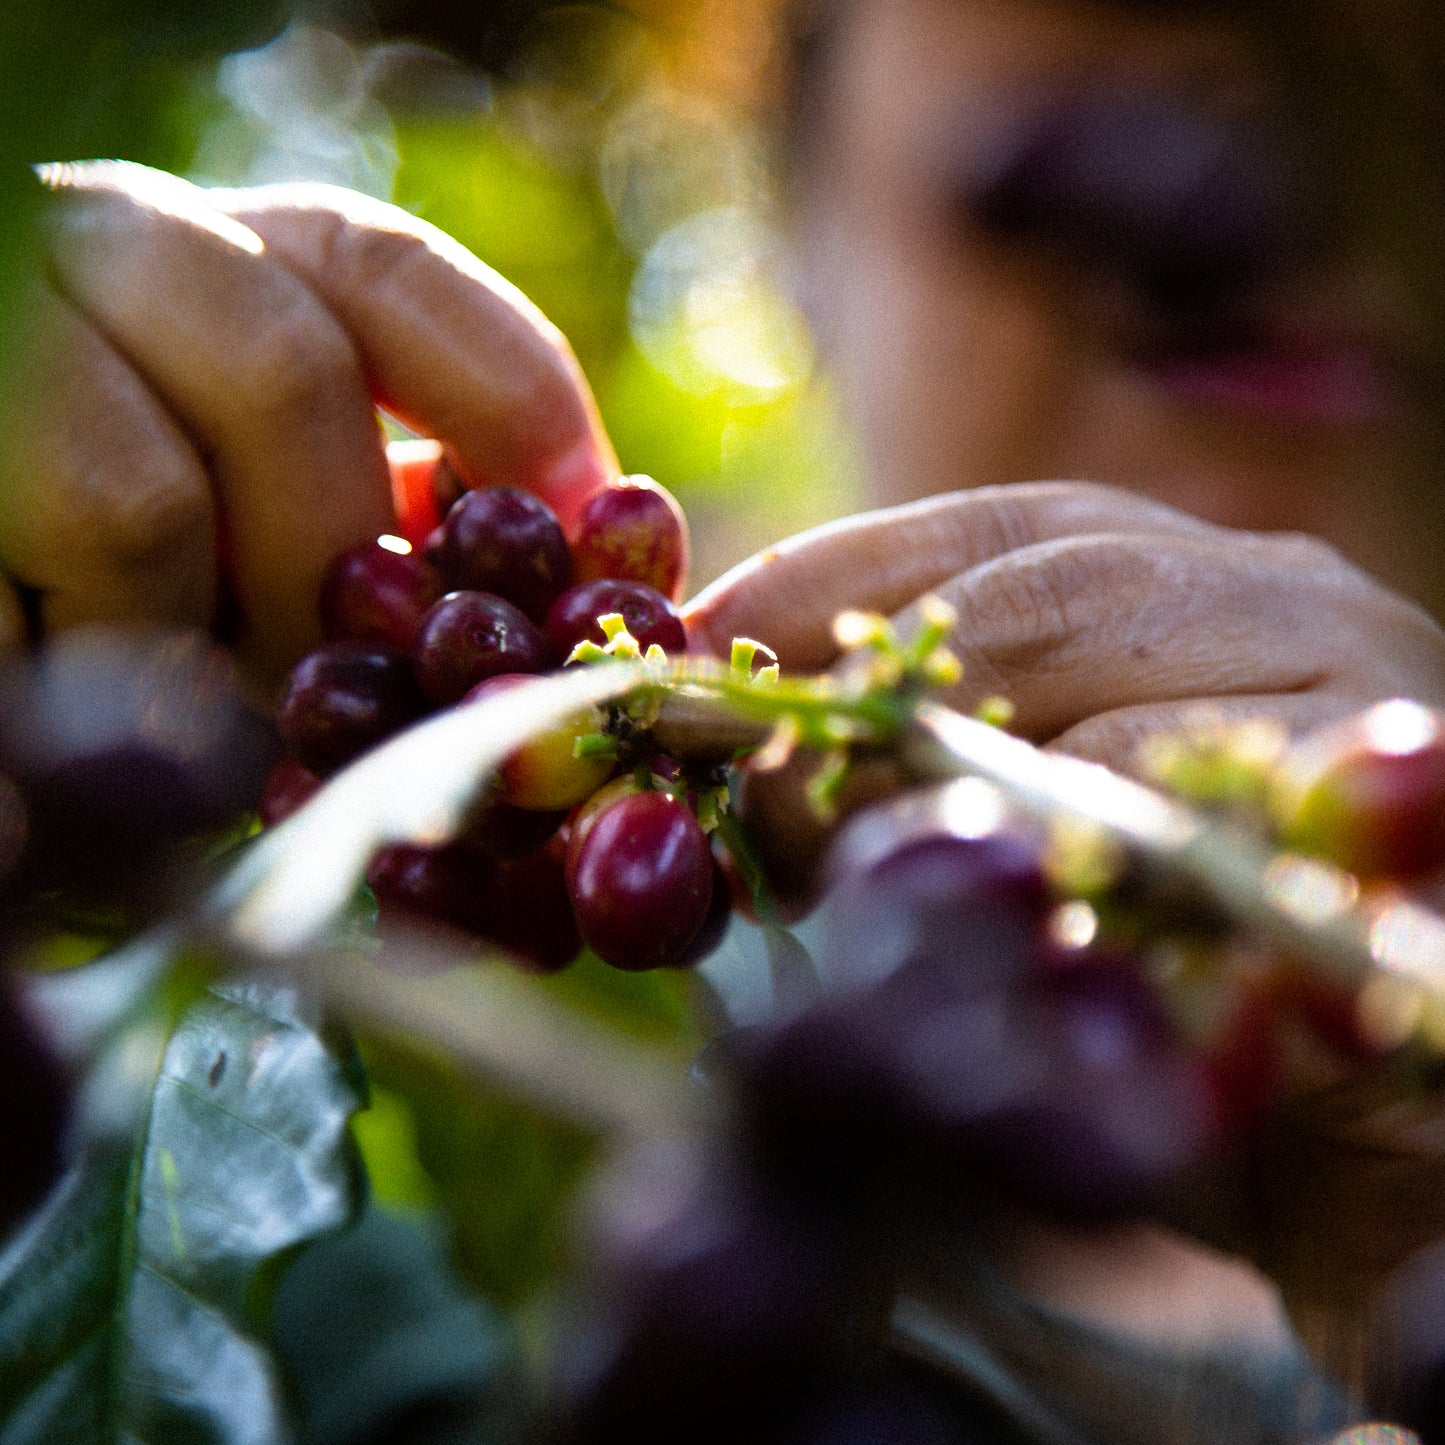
[964, 1047]
[590, 836]
[1000, 1019]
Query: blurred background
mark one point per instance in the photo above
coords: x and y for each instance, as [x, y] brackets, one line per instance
[610, 160]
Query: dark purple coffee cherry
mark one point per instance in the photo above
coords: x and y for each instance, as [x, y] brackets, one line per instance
[120, 745]
[649, 616]
[508, 543]
[36, 1089]
[344, 699]
[419, 886]
[468, 637]
[527, 913]
[374, 594]
[289, 787]
[505, 834]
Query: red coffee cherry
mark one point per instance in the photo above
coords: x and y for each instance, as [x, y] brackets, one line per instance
[635, 531]
[642, 884]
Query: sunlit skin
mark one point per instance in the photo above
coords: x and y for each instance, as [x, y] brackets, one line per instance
[200, 352]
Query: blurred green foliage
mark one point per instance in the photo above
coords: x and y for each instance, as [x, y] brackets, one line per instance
[98, 77]
[750, 463]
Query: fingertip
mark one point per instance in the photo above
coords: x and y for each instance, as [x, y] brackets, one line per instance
[567, 483]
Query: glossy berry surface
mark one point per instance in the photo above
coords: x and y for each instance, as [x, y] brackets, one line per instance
[375, 594]
[642, 883]
[345, 698]
[585, 817]
[416, 886]
[715, 924]
[634, 531]
[1369, 793]
[288, 788]
[509, 543]
[546, 775]
[468, 637]
[649, 616]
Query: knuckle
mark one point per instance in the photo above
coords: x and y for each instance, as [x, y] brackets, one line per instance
[366, 257]
[541, 390]
[1025, 606]
[133, 507]
[173, 510]
[1299, 549]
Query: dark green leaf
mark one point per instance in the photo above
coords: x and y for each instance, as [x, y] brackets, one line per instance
[381, 1341]
[128, 1307]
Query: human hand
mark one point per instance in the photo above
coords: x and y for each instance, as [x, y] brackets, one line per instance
[1101, 616]
[1105, 618]
[205, 369]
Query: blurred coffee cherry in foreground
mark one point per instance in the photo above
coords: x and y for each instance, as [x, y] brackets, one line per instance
[115, 747]
[36, 1092]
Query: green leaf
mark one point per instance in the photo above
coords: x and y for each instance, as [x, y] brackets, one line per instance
[504, 1173]
[130, 1306]
[376, 1333]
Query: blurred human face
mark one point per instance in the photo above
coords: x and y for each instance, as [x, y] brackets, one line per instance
[1049, 239]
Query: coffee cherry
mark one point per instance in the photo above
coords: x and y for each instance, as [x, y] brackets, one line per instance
[36, 1090]
[468, 637]
[634, 531]
[584, 817]
[528, 913]
[375, 594]
[345, 698]
[288, 788]
[649, 616]
[715, 925]
[508, 543]
[418, 886]
[120, 745]
[503, 834]
[642, 882]
[546, 775]
[1369, 792]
